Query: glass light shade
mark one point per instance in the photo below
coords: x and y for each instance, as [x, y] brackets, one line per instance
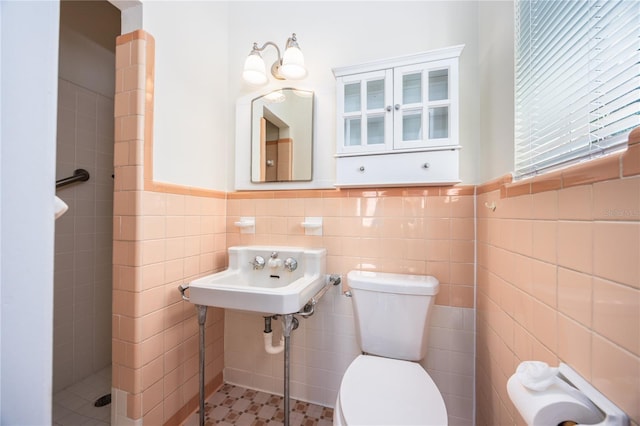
[255, 70]
[293, 64]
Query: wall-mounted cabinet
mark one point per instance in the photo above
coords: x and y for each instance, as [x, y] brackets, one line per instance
[397, 121]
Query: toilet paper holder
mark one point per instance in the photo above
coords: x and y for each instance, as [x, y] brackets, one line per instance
[532, 404]
[612, 414]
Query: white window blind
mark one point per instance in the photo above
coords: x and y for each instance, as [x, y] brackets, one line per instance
[577, 80]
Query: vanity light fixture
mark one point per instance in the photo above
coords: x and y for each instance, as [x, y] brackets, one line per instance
[289, 66]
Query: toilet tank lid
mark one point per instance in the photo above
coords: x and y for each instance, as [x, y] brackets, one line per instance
[425, 285]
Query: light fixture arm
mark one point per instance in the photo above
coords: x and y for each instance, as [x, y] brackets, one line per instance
[264, 46]
[275, 68]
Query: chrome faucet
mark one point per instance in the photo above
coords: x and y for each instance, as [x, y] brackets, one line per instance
[274, 262]
[258, 263]
[290, 264]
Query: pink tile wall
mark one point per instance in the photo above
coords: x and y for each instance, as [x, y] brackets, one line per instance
[419, 231]
[412, 230]
[161, 241]
[559, 281]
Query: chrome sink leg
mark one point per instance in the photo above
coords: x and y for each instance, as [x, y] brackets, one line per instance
[202, 318]
[288, 324]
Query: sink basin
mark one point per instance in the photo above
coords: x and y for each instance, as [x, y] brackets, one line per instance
[272, 289]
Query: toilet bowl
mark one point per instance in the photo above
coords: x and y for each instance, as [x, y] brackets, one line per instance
[386, 385]
[383, 391]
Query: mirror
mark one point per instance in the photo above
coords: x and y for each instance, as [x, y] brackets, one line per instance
[282, 136]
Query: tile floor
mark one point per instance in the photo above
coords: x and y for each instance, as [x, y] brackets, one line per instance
[230, 405]
[75, 405]
[234, 405]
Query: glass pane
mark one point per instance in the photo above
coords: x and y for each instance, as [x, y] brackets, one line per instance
[438, 85]
[352, 133]
[375, 130]
[352, 97]
[412, 88]
[375, 94]
[411, 126]
[438, 123]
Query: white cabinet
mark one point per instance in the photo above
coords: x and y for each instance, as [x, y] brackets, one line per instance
[405, 105]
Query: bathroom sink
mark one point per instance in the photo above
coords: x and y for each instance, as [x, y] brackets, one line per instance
[266, 279]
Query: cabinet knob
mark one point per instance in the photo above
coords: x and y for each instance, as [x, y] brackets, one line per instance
[426, 166]
[389, 108]
[361, 168]
[397, 107]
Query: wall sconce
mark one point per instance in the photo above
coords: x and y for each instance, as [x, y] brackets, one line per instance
[290, 66]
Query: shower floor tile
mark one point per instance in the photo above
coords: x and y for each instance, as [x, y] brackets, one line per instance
[75, 405]
[234, 405]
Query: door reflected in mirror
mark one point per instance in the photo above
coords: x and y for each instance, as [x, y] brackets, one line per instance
[282, 136]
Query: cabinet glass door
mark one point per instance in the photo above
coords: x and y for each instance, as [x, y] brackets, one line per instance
[439, 95]
[375, 112]
[412, 88]
[366, 115]
[352, 97]
[412, 107]
[409, 106]
[439, 85]
[421, 106]
[352, 124]
[438, 123]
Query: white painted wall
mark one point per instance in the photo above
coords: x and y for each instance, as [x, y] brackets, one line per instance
[496, 80]
[191, 112]
[201, 47]
[28, 84]
[130, 14]
[2, 37]
[334, 34]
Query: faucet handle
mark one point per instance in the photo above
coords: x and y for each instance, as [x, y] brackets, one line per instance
[257, 262]
[290, 264]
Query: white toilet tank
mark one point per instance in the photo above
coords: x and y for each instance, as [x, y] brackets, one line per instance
[392, 312]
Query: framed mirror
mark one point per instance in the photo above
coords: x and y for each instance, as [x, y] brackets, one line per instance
[282, 136]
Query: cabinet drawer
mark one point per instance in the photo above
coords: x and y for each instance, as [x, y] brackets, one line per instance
[406, 169]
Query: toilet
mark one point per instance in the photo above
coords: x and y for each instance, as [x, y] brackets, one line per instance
[386, 385]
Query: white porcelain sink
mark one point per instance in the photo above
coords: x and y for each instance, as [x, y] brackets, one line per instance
[272, 289]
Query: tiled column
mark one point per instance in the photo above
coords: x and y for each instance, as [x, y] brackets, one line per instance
[164, 235]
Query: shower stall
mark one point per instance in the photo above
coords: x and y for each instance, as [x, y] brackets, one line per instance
[83, 235]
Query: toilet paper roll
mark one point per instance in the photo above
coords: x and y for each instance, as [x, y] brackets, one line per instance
[558, 403]
[536, 375]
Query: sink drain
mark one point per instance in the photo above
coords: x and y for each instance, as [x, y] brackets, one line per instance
[103, 400]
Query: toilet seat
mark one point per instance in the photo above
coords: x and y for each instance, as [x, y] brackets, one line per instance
[383, 391]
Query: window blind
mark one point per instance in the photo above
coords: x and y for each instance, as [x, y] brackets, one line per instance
[577, 80]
